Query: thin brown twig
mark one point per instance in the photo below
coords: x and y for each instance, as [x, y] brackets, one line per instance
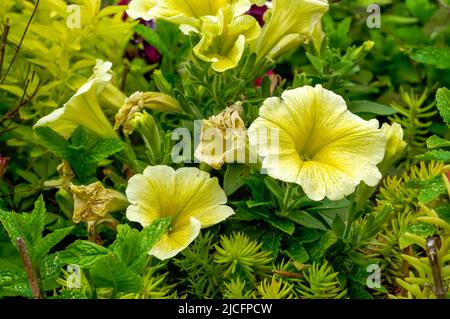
[29, 269]
[126, 70]
[288, 274]
[432, 248]
[24, 100]
[3, 44]
[20, 43]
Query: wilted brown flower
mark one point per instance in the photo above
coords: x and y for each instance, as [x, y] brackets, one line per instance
[223, 138]
[93, 202]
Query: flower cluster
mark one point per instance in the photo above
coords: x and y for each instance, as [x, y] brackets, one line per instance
[306, 137]
[226, 28]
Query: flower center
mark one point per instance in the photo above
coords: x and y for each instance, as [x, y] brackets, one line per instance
[304, 157]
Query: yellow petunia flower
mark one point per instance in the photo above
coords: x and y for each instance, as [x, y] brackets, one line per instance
[186, 12]
[139, 9]
[290, 24]
[321, 145]
[223, 41]
[188, 195]
[85, 106]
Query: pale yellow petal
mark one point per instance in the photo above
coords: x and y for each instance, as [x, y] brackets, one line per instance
[176, 240]
[322, 146]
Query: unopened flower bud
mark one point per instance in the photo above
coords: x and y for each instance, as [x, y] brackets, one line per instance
[138, 101]
[395, 146]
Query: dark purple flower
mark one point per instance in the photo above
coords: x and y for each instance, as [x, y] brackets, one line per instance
[151, 54]
[258, 13]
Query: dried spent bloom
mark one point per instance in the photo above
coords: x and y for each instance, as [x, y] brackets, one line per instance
[138, 101]
[321, 145]
[189, 196]
[223, 138]
[94, 202]
[290, 24]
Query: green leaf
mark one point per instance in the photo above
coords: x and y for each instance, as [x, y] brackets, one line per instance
[110, 272]
[234, 178]
[423, 230]
[443, 103]
[17, 91]
[274, 187]
[10, 222]
[338, 226]
[296, 252]
[271, 241]
[132, 246]
[432, 189]
[307, 235]
[44, 245]
[436, 155]
[10, 273]
[437, 57]
[265, 87]
[71, 294]
[150, 235]
[305, 219]
[51, 265]
[54, 142]
[437, 142]
[103, 149]
[362, 107]
[126, 244]
[316, 62]
[83, 253]
[319, 247]
[79, 137]
[36, 220]
[421, 9]
[152, 38]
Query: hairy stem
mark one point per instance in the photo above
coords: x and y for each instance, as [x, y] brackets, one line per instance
[29, 268]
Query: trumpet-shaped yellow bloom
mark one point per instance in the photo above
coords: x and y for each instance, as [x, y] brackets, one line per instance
[139, 9]
[291, 23]
[189, 196]
[223, 41]
[321, 145]
[84, 108]
[184, 12]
